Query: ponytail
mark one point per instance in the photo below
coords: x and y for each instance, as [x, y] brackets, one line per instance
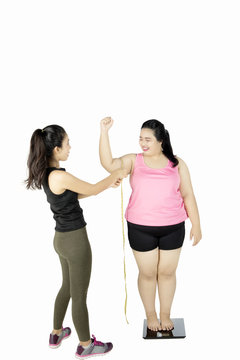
[162, 135]
[167, 149]
[42, 144]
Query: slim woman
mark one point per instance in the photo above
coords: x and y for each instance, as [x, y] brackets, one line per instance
[48, 147]
[162, 199]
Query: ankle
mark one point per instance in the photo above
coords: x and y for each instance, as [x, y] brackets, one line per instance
[56, 332]
[165, 315]
[85, 343]
[151, 314]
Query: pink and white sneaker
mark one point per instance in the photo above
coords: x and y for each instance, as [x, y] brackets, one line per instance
[56, 340]
[96, 348]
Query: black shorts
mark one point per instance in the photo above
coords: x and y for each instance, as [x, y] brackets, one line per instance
[145, 238]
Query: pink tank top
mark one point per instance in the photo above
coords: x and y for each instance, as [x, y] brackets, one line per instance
[156, 199]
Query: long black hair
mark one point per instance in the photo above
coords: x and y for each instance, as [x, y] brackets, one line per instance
[42, 143]
[161, 134]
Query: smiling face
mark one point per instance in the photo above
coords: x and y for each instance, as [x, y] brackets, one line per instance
[149, 143]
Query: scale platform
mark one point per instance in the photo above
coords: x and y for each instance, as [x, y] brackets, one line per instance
[177, 333]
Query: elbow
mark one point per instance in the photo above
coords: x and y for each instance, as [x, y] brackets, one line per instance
[101, 162]
[106, 166]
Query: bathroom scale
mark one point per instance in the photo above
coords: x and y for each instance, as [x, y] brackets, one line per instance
[177, 333]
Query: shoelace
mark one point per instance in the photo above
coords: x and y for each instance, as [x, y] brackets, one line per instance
[97, 342]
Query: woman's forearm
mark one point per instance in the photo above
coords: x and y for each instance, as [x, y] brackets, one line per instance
[105, 150]
[104, 184]
[192, 209]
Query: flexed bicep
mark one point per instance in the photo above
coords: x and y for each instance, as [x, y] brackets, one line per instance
[125, 161]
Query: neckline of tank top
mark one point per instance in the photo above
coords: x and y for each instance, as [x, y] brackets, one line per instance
[53, 167]
[154, 168]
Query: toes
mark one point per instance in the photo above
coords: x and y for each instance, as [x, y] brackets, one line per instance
[166, 326]
[154, 328]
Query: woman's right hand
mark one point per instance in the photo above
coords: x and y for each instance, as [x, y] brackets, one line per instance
[106, 123]
[118, 174]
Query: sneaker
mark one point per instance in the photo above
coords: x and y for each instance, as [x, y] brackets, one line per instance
[96, 348]
[55, 340]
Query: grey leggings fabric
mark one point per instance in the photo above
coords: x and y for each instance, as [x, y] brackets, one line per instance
[75, 256]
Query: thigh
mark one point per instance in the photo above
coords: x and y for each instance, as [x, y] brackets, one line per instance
[79, 276]
[65, 269]
[147, 261]
[73, 245]
[80, 262]
[141, 237]
[173, 237]
[168, 261]
[75, 249]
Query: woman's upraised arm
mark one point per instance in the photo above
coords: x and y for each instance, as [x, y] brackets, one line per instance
[108, 162]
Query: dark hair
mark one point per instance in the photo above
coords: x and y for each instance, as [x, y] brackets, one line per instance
[42, 143]
[161, 134]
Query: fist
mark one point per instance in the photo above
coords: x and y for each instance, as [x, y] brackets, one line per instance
[106, 123]
[116, 184]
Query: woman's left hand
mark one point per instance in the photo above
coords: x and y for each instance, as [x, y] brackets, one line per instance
[196, 233]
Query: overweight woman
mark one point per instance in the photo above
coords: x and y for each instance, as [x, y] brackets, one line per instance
[162, 199]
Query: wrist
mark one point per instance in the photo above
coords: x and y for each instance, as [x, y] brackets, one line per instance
[104, 131]
[196, 223]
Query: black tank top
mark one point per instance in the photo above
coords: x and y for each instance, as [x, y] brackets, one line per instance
[65, 207]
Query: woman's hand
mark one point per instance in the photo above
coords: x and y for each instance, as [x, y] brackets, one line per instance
[116, 184]
[196, 233]
[119, 174]
[106, 123]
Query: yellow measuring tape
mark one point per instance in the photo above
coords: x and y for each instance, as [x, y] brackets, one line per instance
[125, 307]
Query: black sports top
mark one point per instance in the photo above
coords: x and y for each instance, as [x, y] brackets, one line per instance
[65, 207]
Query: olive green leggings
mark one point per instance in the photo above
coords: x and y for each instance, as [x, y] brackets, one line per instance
[75, 256]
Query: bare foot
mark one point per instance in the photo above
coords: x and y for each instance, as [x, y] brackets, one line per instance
[166, 322]
[152, 322]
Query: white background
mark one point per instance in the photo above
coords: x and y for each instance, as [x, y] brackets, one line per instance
[72, 63]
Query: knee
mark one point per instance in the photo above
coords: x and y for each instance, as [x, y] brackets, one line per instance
[166, 272]
[65, 289]
[148, 274]
[79, 295]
